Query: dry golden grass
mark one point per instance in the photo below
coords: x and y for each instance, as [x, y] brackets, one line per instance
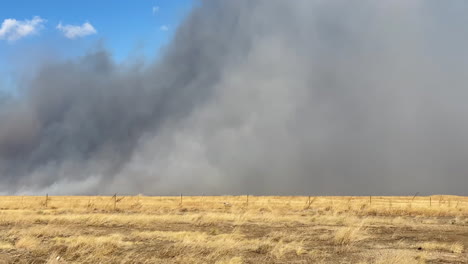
[228, 229]
[456, 247]
[348, 235]
[28, 242]
[399, 257]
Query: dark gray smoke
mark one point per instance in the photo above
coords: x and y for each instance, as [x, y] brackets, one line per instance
[263, 97]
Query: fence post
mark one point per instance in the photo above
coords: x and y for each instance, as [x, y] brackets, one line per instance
[46, 199]
[180, 198]
[370, 199]
[115, 201]
[430, 201]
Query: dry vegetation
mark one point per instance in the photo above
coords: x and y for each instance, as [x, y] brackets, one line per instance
[232, 229]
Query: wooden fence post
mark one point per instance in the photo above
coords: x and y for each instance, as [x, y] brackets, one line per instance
[115, 201]
[181, 199]
[46, 199]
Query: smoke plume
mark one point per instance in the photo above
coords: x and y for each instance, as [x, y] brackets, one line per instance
[262, 97]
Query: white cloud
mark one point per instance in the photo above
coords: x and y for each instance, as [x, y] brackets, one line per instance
[13, 29]
[155, 9]
[164, 28]
[72, 31]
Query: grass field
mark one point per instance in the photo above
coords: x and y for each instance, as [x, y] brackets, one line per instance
[233, 229]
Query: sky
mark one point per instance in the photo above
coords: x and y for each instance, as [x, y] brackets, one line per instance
[31, 29]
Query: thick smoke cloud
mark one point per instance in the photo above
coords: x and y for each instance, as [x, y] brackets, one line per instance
[261, 97]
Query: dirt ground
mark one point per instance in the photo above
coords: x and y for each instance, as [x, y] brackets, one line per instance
[234, 229]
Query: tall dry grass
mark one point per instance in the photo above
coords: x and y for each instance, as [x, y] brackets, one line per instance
[228, 229]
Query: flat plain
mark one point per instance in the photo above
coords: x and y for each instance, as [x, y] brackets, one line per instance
[233, 229]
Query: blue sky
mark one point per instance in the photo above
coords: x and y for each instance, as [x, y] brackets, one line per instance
[127, 28]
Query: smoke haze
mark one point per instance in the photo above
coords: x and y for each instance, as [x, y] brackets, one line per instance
[262, 97]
